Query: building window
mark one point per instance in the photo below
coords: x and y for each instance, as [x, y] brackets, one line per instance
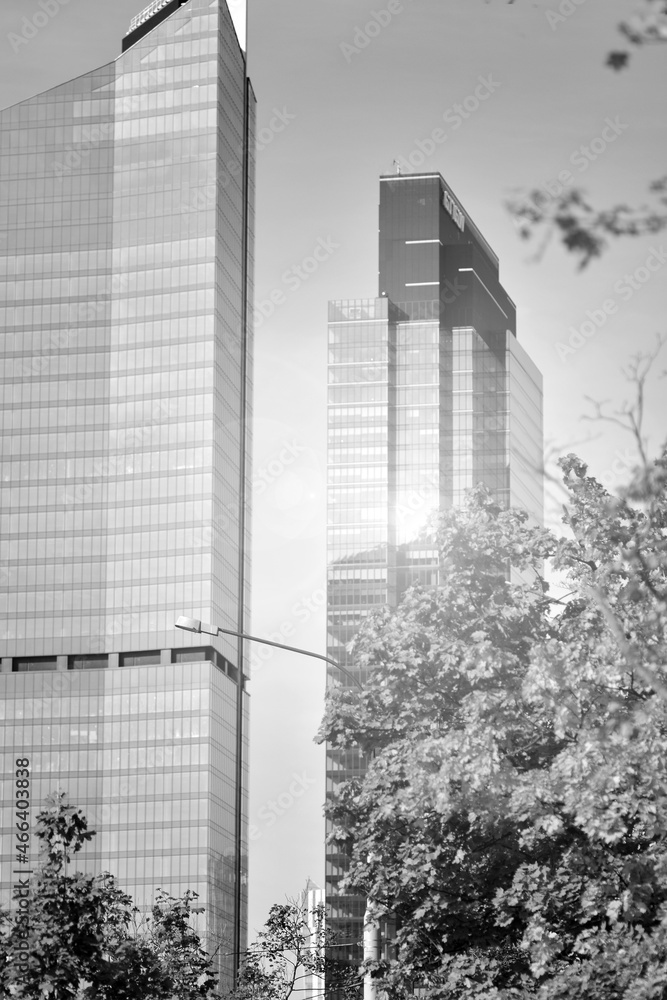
[193, 655]
[24, 664]
[139, 659]
[92, 661]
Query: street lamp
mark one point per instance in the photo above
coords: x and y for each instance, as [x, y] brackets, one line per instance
[194, 625]
[371, 939]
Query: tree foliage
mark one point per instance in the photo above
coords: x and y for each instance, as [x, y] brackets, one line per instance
[565, 211]
[81, 936]
[584, 230]
[646, 26]
[289, 952]
[513, 816]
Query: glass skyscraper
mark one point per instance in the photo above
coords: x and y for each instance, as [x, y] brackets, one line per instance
[429, 393]
[126, 204]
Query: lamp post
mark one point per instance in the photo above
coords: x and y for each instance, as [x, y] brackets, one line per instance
[371, 935]
[194, 625]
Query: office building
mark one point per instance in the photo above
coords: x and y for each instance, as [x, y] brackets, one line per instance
[126, 215]
[430, 392]
[312, 985]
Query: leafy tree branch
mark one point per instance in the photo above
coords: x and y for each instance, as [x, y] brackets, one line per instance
[513, 818]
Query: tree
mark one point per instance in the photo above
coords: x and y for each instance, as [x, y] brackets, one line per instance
[564, 210]
[513, 816]
[646, 26]
[80, 937]
[585, 231]
[290, 951]
[83, 939]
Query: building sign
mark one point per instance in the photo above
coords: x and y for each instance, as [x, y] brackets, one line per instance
[453, 210]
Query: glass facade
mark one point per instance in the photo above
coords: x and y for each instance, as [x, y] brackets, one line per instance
[149, 754]
[429, 394]
[126, 198]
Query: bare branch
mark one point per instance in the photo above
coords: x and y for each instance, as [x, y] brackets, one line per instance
[630, 417]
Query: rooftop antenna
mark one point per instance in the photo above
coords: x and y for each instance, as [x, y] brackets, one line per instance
[398, 167]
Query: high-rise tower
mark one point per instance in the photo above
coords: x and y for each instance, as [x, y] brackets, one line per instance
[429, 393]
[126, 211]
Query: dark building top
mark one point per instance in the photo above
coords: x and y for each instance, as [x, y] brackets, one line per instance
[432, 252]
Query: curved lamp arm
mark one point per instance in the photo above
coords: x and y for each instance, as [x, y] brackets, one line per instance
[194, 625]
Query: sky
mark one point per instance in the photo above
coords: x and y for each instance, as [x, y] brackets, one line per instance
[345, 88]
